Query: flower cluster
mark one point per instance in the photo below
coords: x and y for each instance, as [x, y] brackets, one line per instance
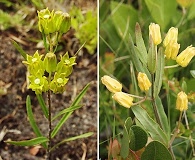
[50, 22]
[171, 45]
[115, 87]
[38, 67]
[57, 72]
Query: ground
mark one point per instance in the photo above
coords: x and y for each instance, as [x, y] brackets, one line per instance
[14, 124]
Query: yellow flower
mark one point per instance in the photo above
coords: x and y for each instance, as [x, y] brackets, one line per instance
[111, 84]
[172, 50]
[185, 3]
[185, 56]
[182, 101]
[154, 32]
[143, 82]
[123, 99]
[171, 36]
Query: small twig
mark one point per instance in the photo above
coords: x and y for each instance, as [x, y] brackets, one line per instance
[173, 66]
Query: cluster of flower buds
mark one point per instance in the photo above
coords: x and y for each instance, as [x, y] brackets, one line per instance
[171, 45]
[50, 22]
[115, 87]
[38, 67]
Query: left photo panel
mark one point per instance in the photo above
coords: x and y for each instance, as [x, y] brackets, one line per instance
[48, 80]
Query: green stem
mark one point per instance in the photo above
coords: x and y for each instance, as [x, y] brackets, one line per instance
[154, 103]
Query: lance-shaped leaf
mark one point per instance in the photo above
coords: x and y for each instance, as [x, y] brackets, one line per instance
[150, 125]
[32, 120]
[140, 44]
[152, 57]
[162, 116]
[75, 105]
[85, 135]
[31, 142]
[19, 48]
[125, 144]
[67, 114]
[159, 72]
[43, 105]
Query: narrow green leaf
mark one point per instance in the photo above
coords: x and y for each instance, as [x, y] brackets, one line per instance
[150, 125]
[128, 123]
[32, 120]
[80, 96]
[31, 142]
[140, 44]
[125, 144]
[159, 72]
[43, 105]
[85, 135]
[138, 138]
[156, 151]
[60, 123]
[152, 57]
[19, 49]
[70, 109]
[134, 56]
[162, 116]
[74, 104]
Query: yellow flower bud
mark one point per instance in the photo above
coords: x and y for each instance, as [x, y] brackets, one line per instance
[172, 50]
[185, 3]
[185, 56]
[171, 36]
[143, 82]
[123, 99]
[111, 84]
[50, 62]
[154, 32]
[182, 101]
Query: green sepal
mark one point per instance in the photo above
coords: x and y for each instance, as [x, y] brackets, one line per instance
[31, 142]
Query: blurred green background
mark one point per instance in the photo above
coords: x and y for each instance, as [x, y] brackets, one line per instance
[116, 20]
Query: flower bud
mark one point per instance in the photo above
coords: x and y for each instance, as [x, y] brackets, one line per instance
[111, 84]
[154, 32]
[46, 23]
[185, 56]
[171, 36]
[182, 101]
[123, 99]
[172, 50]
[143, 82]
[62, 21]
[50, 62]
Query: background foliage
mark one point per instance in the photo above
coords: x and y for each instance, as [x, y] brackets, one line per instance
[117, 20]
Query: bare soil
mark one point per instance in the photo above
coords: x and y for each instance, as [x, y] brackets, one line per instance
[14, 124]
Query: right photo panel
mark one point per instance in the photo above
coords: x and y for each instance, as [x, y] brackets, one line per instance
[147, 80]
